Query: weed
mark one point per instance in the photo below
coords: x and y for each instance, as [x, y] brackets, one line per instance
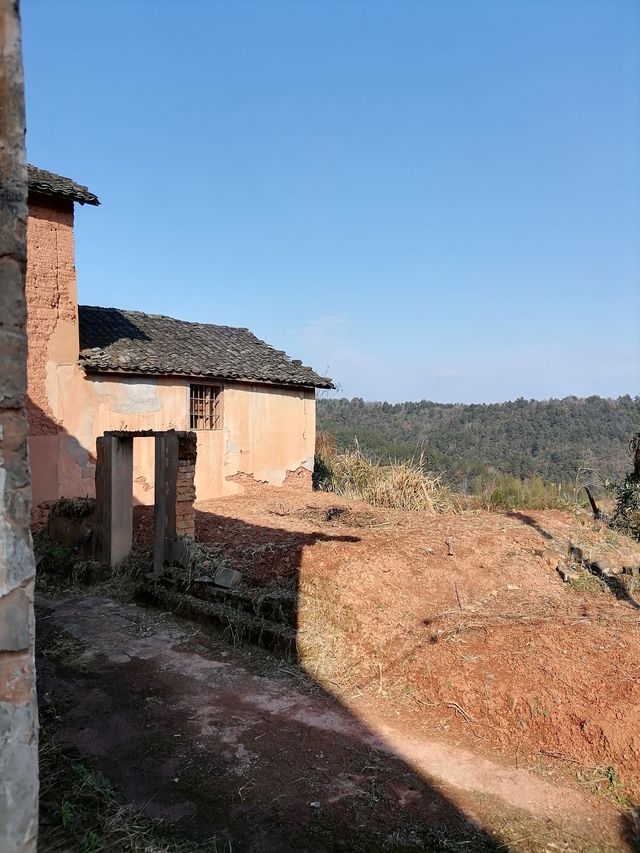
[604, 779]
[587, 583]
[76, 508]
[52, 558]
[63, 648]
[538, 709]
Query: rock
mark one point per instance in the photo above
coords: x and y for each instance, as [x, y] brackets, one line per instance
[602, 567]
[567, 573]
[228, 578]
[576, 553]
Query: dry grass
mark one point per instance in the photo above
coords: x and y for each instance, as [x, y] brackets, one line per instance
[324, 626]
[396, 485]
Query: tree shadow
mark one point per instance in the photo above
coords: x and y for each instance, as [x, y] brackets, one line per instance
[531, 522]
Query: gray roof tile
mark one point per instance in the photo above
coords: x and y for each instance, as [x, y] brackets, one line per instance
[48, 183]
[133, 342]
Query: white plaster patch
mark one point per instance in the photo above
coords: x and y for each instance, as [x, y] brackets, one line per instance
[134, 396]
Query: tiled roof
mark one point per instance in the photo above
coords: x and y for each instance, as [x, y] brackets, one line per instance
[48, 183]
[133, 342]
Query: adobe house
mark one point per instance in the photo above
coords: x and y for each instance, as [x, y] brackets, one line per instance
[92, 369]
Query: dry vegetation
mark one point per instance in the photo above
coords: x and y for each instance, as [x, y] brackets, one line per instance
[407, 485]
[411, 485]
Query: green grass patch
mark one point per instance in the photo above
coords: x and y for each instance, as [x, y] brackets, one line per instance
[80, 811]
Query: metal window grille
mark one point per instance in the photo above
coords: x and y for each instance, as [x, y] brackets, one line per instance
[205, 407]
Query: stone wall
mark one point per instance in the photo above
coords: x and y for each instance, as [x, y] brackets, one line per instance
[18, 714]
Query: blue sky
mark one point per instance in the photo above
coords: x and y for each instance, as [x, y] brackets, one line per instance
[427, 200]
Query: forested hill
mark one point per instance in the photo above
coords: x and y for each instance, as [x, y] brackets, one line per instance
[550, 438]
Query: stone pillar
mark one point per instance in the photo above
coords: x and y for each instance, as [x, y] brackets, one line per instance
[185, 484]
[18, 710]
[114, 497]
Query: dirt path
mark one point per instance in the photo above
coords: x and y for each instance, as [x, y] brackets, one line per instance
[232, 745]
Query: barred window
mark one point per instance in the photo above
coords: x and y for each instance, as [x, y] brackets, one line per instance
[205, 407]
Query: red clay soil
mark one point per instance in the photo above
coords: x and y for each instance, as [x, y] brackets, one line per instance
[239, 752]
[478, 640]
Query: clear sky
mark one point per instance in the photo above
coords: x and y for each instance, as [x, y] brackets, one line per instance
[427, 200]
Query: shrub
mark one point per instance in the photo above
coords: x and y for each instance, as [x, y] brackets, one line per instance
[626, 515]
[506, 492]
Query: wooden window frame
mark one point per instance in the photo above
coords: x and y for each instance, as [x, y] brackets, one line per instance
[205, 406]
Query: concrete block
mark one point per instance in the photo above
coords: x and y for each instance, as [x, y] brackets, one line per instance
[228, 578]
[114, 490]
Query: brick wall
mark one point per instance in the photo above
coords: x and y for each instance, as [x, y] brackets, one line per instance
[185, 484]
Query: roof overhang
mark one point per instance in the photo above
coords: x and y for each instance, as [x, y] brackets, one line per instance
[199, 377]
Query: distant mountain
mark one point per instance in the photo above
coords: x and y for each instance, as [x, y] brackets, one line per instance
[550, 438]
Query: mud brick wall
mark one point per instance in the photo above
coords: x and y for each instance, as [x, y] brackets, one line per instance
[52, 311]
[185, 484]
[18, 710]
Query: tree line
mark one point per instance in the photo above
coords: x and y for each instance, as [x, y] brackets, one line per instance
[557, 440]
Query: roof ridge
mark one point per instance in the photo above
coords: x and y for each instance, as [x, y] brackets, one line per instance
[174, 319]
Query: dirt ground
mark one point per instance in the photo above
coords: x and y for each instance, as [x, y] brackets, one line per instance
[449, 686]
[242, 752]
[478, 640]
